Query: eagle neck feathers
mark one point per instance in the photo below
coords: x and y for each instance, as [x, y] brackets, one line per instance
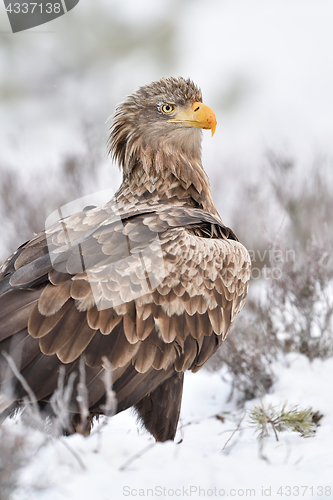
[162, 167]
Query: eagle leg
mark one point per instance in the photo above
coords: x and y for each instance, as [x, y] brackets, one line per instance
[80, 427]
[159, 410]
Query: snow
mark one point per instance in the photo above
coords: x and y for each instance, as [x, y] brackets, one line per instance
[120, 459]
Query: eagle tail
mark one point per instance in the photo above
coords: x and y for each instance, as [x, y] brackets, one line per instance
[159, 410]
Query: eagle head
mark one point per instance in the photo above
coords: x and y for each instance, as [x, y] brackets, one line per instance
[164, 115]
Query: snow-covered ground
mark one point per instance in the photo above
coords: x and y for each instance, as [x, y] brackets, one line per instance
[214, 458]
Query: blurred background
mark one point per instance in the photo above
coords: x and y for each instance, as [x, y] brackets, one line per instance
[265, 67]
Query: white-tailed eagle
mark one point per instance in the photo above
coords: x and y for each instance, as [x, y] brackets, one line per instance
[150, 283]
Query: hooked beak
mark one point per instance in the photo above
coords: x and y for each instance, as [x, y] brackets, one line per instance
[198, 115]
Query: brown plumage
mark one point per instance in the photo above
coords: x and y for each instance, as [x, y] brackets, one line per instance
[152, 280]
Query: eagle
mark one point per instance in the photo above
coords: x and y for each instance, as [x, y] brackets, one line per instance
[145, 286]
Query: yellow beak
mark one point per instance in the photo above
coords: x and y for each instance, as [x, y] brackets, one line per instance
[198, 115]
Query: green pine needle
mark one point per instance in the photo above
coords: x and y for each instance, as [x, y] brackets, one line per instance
[278, 420]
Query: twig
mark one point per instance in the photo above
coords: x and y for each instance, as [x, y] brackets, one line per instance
[21, 379]
[73, 452]
[82, 397]
[59, 403]
[137, 455]
[234, 432]
[60, 400]
[110, 406]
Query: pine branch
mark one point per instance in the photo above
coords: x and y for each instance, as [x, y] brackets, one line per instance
[279, 420]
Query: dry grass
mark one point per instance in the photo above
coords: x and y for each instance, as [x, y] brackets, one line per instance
[18, 444]
[12, 456]
[293, 271]
[24, 206]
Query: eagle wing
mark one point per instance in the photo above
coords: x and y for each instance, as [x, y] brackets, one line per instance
[154, 291]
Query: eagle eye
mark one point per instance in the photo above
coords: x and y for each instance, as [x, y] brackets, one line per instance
[167, 108]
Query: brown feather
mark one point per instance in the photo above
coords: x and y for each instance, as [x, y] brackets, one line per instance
[32, 253]
[216, 319]
[144, 326]
[22, 349]
[164, 326]
[194, 326]
[165, 355]
[100, 346]
[16, 299]
[122, 351]
[209, 346]
[53, 298]
[185, 360]
[167, 396]
[178, 323]
[76, 344]
[146, 353]
[130, 329]
[62, 331]
[80, 289]
[104, 320]
[56, 277]
[17, 321]
[39, 325]
[31, 273]
[41, 386]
